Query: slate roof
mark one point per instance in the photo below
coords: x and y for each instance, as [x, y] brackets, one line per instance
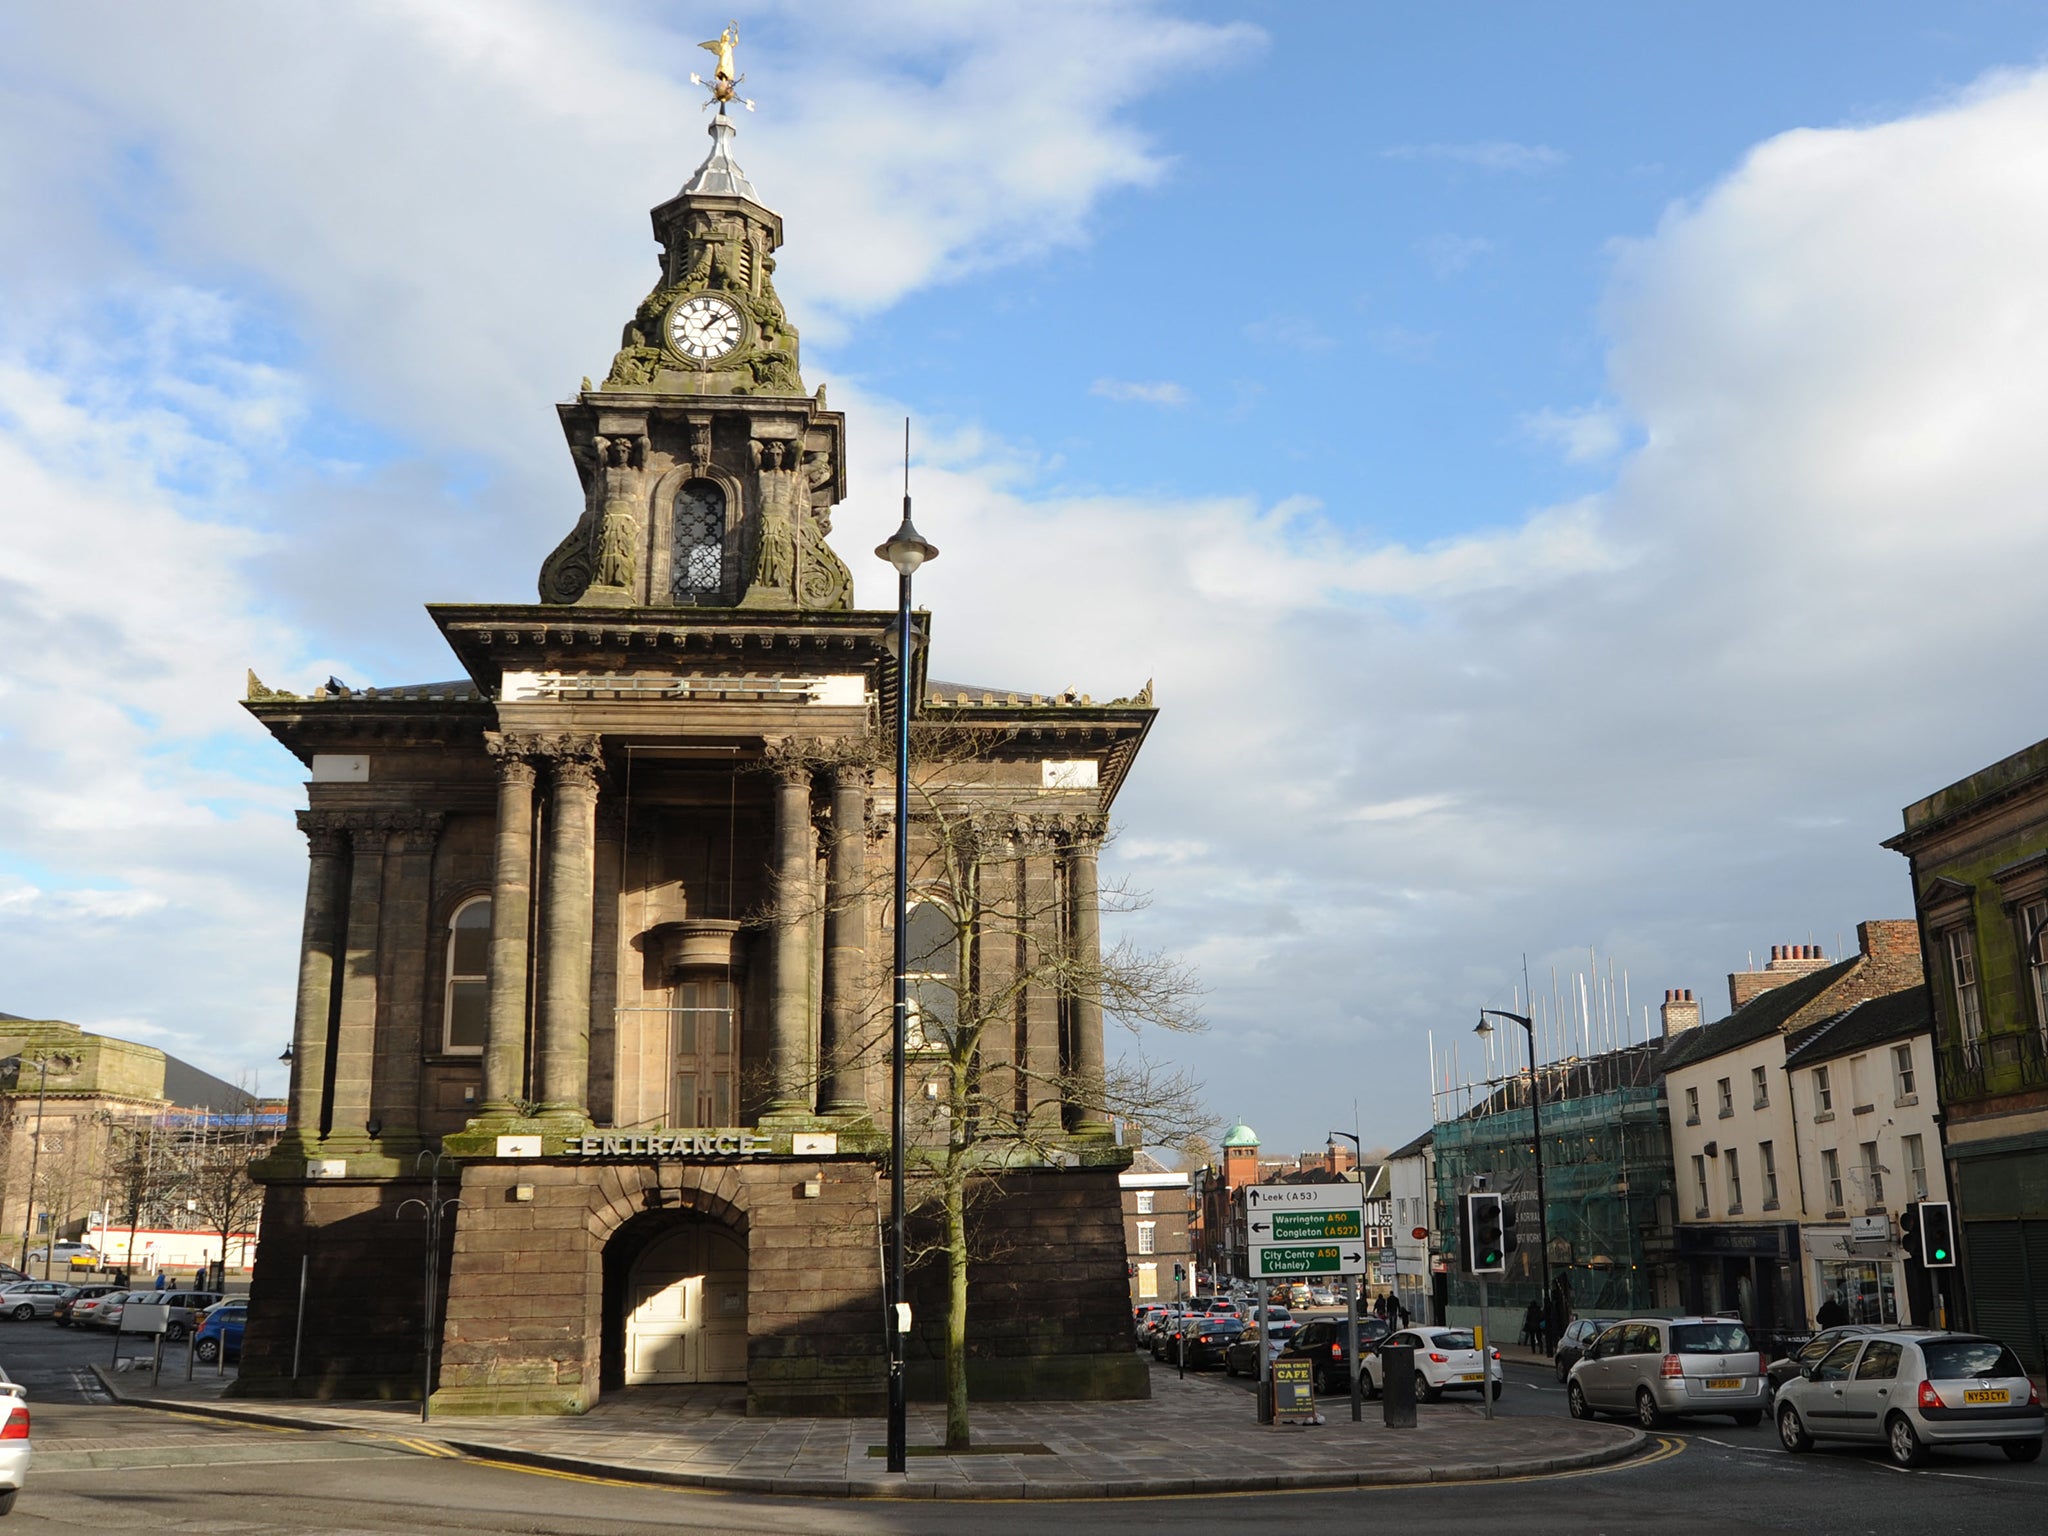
[1762, 1015]
[1414, 1147]
[1895, 1016]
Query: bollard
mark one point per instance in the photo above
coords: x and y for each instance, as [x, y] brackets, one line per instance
[1397, 1386]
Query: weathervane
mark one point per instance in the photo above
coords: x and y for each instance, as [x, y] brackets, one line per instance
[723, 80]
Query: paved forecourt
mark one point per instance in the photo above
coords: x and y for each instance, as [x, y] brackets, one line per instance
[1191, 1437]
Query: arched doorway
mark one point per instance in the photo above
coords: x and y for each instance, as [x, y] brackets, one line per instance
[684, 1307]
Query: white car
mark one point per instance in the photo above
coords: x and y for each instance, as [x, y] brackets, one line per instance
[14, 1453]
[1446, 1360]
[64, 1252]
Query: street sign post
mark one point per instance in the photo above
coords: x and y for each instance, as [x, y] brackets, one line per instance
[1303, 1229]
[1270, 1260]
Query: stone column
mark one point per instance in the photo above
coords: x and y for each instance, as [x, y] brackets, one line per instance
[1084, 931]
[408, 900]
[846, 940]
[1039, 925]
[602, 1096]
[355, 1055]
[789, 965]
[319, 944]
[511, 917]
[570, 876]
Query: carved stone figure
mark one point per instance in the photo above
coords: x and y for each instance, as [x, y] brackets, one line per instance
[618, 538]
[821, 483]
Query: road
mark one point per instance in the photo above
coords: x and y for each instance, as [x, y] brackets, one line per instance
[104, 1467]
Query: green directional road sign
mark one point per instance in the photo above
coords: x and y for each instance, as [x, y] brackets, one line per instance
[1306, 1226]
[1307, 1259]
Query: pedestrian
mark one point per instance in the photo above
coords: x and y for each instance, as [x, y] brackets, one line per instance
[163, 1279]
[1399, 1313]
[1832, 1313]
[1532, 1322]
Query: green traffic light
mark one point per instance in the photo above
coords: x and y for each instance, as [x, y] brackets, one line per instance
[1941, 1253]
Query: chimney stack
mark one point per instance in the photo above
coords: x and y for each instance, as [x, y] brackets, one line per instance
[1680, 1010]
[1788, 962]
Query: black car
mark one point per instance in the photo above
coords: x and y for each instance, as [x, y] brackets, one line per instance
[1583, 1331]
[1778, 1372]
[1242, 1357]
[1322, 1341]
[1201, 1341]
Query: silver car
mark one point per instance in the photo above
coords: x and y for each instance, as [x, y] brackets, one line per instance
[1909, 1390]
[14, 1447]
[33, 1298]
[1657, 1368]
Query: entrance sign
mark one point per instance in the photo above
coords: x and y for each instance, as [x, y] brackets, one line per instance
[696, 1144]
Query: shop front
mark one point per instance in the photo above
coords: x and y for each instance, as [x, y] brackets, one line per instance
[1752, 1271]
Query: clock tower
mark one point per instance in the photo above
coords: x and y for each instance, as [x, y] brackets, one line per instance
[709, 473]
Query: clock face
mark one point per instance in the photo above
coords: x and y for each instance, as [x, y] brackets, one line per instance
[704, 327]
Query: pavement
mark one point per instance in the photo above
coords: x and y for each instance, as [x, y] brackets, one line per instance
[1194, 1436]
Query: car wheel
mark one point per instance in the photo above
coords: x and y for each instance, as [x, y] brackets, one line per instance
[1372, 1387]
[1647, 1413]
[1497, 1385]
[1903, 1443]
[1322, 1383]
[208, 1350]
[1749, 1418]
[1791, 1433]
[7, 1497]
[175, 1332]
[1575, 1400]
[24, 1312]
[1424, 1392]
[2022, 1450]
[1563, 1370]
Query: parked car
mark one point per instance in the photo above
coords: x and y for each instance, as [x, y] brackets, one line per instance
[1321, 1341]
[221, 1329]
[9, 1275]
[85, 1308]
[1142, 1316]
[65, 1252]
[1780, 1371]
[1910, 1391]
[1446, 1360]
[114, 1305]
[1201, 1340]
[1321, 1296]
[61, 1314]
[32, 1298]
[187, 1308]
[14, 1451]
[1676, 1367]
[1581, 1332]
[1241, 1358]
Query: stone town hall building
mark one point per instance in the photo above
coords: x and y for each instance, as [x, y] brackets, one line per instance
[605, 924]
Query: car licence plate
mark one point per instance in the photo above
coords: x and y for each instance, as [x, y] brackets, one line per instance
[1724, 1383]
[1469, 1376]
[1987, 1395]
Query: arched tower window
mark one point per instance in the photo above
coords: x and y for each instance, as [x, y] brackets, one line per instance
[697, 557]
[466, 1006]
[933, 971]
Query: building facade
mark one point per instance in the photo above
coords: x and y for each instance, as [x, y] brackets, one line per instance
[1418, 1261]
[598, 938]
[1735, 1130]
[1978, 856]
[1158, 1243]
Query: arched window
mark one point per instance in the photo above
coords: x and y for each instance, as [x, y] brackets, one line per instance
[697, 548]
[466, 1008]
[932, 944]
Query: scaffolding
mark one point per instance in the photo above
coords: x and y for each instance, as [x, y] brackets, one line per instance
[1607, 1175]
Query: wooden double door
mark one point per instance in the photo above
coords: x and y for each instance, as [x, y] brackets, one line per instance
[686, 1308]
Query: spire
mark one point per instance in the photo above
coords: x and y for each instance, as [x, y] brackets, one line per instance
[720, 175]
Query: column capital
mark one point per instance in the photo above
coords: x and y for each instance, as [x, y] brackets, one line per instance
[326, 831]
[792, 759]
[853, 775]
[574, 758]
[418, 831]
[513, 752]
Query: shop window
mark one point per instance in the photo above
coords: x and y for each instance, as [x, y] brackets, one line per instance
[1961, 945]
[705, 1053]
[697, 547]
[466, 997]
[1866, 1291]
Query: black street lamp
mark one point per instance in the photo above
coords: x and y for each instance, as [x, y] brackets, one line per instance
[1551, 1319]
[906, 550]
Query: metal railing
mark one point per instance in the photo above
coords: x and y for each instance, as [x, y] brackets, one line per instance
[1991, 1064]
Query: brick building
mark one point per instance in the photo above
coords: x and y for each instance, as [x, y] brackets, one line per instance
[1978, 853]
[1158, 1226]
[599, 936]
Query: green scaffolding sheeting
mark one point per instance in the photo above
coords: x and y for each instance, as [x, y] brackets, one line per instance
[1607, 1184]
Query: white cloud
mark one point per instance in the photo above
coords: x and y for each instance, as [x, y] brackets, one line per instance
[1588, 435]
[1486, 155]
[1161, 392]
[1448, 255]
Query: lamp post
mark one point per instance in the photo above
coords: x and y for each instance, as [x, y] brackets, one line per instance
[35, 1156]
[906, 550]
[1550, 1318]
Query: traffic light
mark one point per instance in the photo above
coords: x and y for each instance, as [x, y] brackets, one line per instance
[1507, 1228]
[1909, 1233]
[1481, 1230]
[1179, 1272]
[1937, 1234]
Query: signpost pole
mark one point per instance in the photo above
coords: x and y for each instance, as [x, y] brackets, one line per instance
[1357, 1365]
[1485, 1353]
[1265, 1393]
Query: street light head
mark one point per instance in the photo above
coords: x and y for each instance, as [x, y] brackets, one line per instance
[906, 548]
[1484, 1026]
[287, 1056]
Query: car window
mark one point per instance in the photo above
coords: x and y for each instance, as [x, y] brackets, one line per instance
[1460, 1338]
[1819, 1345]
[1716, 1338]
[1880, 1362]
[1835, 1367]
[1960, 1359]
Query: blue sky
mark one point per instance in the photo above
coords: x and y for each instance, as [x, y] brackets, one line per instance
[1557, 465]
